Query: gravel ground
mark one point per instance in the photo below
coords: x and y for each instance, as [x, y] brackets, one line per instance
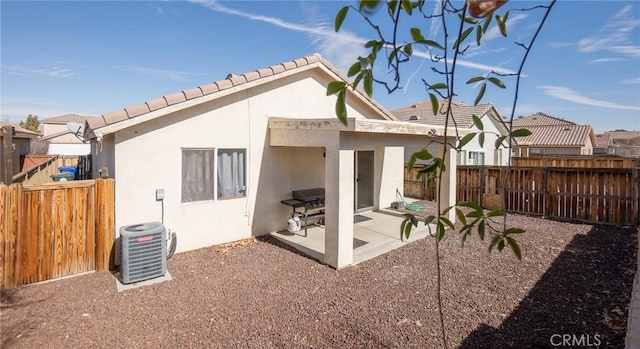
[573, 279]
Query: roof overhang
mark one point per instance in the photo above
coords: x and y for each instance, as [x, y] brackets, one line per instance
[363, 126]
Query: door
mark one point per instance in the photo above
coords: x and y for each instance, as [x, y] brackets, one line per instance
[364, 180]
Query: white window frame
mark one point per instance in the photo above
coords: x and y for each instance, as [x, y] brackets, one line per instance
[210, 189]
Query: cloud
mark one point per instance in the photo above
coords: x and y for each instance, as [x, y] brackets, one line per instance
[568, 94]
[615, 36]
[632, 81]
[51, 72]
[606, 60]
[342, 48]
[561, 44]
[162, 74]
[17, 108]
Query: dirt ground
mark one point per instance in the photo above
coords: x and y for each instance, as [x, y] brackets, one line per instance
[573, 279]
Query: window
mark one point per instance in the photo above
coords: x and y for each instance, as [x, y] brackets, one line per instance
[476, 157]
[207, 175]
[197, 174]
[497, 157]
[231, 173]
[462, 157]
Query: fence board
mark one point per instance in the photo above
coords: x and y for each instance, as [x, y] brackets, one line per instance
[105, 225]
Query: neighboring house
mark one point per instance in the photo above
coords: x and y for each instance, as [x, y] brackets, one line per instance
[63, 141]
[19, 148]
[603, 145]
[225, 154]
[553, 136]
[472, 153]
[625, 143]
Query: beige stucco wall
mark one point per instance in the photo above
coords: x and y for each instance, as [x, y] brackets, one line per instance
[148, 156]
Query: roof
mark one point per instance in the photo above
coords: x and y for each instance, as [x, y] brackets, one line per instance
[615, 135]
[21, 132]
[603, 139]
[422, 113]
[63, 119]
[568, 135]
[540, 119]
[233, 83]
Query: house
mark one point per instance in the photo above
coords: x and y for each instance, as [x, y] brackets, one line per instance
[553, 136]
[625, 143]
[16, 144]
[603, 144]
[213, 163]
[61, 139]
[472, 153]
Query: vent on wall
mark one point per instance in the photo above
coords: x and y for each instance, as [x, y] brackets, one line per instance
[144, 251]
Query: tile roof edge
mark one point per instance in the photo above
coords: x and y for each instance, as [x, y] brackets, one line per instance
[233, 81]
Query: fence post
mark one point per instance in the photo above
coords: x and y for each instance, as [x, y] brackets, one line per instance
[546, 193]
[105, 224]
[7, 154]
[482, 175]
[635, 195]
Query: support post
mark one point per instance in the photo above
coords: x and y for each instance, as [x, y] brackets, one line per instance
[339, 196]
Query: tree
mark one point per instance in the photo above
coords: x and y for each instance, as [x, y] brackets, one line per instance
[397, 40]
[31, 123]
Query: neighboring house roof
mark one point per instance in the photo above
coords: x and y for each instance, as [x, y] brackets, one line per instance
[603, 140]
[540, 119]
[423, 113]
[21, 132]
[623, 135]
[233, 83]
[569, 135]
[63, 119]
[58, 134]
[462, 114]
[551, 131]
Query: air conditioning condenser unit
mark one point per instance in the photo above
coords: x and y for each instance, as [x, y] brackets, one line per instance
[143, 252]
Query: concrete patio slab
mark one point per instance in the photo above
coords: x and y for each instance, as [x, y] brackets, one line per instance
[374, 233]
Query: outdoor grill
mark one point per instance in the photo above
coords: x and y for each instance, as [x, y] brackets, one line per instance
[311, 201]
[315, 195]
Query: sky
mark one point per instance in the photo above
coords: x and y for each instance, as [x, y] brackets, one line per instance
[94, 57]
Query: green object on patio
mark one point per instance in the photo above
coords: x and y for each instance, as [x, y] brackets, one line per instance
[408, 206]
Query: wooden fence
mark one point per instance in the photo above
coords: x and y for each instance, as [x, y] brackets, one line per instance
[590, 195]
[53, 230]
[582, 161]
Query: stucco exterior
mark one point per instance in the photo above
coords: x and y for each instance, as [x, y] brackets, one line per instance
[287, 125]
